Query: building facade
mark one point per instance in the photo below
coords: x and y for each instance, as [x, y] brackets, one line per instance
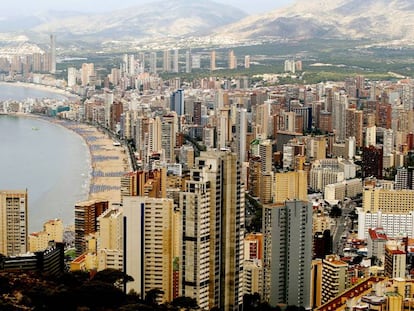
[13, 222]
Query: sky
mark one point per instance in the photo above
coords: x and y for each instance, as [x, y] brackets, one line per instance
[17, 7]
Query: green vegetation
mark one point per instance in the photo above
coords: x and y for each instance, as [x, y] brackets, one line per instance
[79, 291]
[342, 58]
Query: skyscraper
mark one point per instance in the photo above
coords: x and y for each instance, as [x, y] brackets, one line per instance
[241, 133]
[247, 61]
[177, 102]
[213, 60]
[150, 240]
[169, 129]
[196, 212]
[175, 61]
[222, 170]
[153, 62]
[167, 61]
[86, 221]
[288, 253]
[232, 60]
[52, 54]
[13, 222]
[88, 71]
[188, 65]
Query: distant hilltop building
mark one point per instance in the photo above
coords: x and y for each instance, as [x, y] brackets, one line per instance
[292, 65]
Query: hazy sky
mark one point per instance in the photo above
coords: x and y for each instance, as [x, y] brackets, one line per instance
[17, 7]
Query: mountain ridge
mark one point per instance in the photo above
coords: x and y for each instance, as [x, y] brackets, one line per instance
[352, 19]
[158, 19]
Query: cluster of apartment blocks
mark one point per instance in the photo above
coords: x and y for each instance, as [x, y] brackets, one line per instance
[265, 129]
[30, 59]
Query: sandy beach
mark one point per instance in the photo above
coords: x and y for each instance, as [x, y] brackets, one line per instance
[108, 162]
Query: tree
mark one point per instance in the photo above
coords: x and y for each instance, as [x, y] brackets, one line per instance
[96, 294]
[185, 302]
[112, 276]
[152, 295]
[335, 212]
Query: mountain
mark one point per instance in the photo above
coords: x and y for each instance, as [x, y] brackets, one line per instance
[163, 18]
[352, 19]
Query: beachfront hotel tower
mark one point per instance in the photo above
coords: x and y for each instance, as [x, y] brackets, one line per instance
[13, 222]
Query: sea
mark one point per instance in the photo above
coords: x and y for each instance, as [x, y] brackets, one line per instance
[50, 161]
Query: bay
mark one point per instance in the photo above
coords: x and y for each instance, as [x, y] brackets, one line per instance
[52, 162]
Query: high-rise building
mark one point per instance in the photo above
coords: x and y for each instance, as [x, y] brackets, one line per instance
[372, 164]
[86, 221]
[395, 261]
[167, 61]
[288, 253]
[354, 125]
[52, 54]
[13, 223]
[169, 129]
[153, 62]
[150, 241]
[72, 74]
[247, 61]
[334, 277]
[196, 61]
[222, 170]
[370, 136]
[154, 136]
[213, 60]
[290, 185]
[196, 213]
[241, 133]
[232, 60]
[188, 64]
[339, 106]
[110, 240]
[290, 65]
[88, 71]
[175, 61]
[177, 102]
[404, 179]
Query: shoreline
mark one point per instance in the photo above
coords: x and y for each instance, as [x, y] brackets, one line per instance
[42, 87]
[108, 163]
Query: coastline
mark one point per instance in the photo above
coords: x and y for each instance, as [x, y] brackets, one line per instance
[108, 163]
[41, 87]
